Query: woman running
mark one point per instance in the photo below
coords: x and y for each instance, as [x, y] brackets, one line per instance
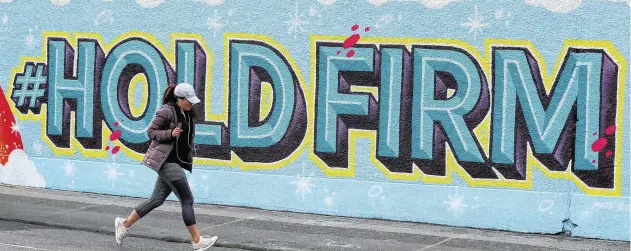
[171, 133]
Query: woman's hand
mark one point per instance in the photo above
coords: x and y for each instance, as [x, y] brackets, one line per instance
[176, 132]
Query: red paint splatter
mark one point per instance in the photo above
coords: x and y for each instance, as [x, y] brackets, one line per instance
[116, 149]
[593, 161]
[610, 130]
[338, 52]
[608, 154]
[9, 139]
[115, 135]
[355, 27]
[116, 123]
[351, 41]
[367, 29]
[107, 148]
[599, 144]
[350, 53]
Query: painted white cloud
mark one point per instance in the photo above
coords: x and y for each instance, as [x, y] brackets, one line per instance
[211, 2]
[60, 2]
[432, 4]
[6, 1]
[560, 6]
[619, 1]
[565, 6]
[149, 3]
[21, 171]
[326, 2]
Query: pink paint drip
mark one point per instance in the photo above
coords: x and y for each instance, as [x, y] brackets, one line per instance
[599, 144]
[115, 135]
[608, 154]
[107, 148]
[116, 149]
[610, 130]
[351, 41]
[593, 161]
[116, 123]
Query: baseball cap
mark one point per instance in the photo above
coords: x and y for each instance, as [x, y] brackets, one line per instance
[185, 90]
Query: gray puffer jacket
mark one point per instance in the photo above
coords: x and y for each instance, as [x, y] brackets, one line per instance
[162, 142]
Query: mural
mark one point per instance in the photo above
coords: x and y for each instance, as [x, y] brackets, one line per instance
[388, 115]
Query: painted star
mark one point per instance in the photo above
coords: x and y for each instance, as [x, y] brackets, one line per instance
[30, 39]
[295, 23]
[112, 173]
[69, 168]
[15, 128]
[329, 200]
[476, 23]
[303, 184]
[214, 24]
[38, 148]
[455, 204]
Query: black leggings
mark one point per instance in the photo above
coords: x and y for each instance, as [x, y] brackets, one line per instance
[171, 178]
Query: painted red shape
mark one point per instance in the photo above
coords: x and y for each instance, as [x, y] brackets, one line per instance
[355, 27]
[599, 144]
[338, 53]
[593, 161]
[116, 149]
[107, 148]
[116, 123]
[9, 139]
[350, 41]
[350, 53]
[366, 29]
[595, 133]
[608, 154]
[115, 135]
[610, 130]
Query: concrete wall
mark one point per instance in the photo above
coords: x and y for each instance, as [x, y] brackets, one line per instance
[489, 114]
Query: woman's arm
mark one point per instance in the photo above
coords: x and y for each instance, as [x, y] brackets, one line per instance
[156, 129]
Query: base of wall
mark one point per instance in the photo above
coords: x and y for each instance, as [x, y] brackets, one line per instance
[488, 208]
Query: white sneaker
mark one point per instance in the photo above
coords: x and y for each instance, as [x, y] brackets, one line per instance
[204, 243]
[121, 231]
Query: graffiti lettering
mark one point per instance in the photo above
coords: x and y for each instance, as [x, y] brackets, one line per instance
[422, 103]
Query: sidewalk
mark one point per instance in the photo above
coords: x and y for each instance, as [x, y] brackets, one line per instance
[254, 229]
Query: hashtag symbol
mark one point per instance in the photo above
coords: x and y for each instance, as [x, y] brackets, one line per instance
[29, 88]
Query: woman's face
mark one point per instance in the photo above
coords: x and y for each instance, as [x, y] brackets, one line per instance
[185, 104]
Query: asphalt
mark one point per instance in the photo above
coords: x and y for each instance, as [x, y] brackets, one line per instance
[17, 236]
[40, 219]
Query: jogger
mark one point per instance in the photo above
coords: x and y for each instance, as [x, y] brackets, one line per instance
[169, 154]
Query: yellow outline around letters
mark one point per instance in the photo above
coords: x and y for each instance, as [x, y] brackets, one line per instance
[170, 57]
[354, 134]
[452, 165]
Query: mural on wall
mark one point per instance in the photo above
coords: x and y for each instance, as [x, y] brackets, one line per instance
[414, 100]
[346, 99]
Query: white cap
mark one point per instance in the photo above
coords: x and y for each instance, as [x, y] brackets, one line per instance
[185, 90]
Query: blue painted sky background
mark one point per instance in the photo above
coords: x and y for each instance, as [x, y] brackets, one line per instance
[290, 22]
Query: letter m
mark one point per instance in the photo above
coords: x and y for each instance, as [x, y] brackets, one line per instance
[561, 125]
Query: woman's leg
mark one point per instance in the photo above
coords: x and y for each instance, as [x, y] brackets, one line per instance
[160, 193]
[174, 175]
